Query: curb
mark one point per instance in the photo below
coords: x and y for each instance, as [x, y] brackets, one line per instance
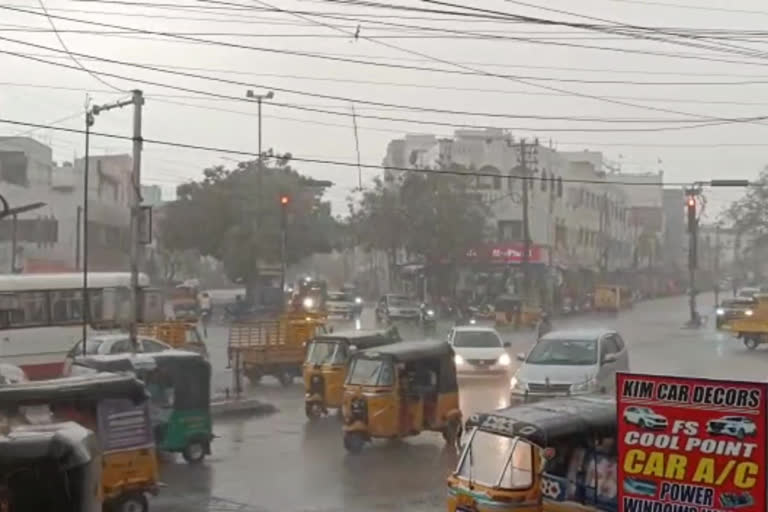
[241, 407]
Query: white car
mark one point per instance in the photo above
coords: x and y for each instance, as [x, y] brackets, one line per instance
[570, 362]
[114, 343]
[340, 304]
[645, 417]
[479, 349]
[734, 426]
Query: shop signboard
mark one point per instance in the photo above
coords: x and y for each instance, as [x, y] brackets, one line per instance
[690, 444]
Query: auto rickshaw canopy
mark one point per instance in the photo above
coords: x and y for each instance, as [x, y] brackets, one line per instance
[363, 338]
[83, 388]
[189, 372]
[545, 423]
[67, 443]
[438, 354]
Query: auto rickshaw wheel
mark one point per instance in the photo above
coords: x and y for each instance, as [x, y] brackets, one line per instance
[194, 452]
[313, 410]
[751, 342]
[354, 442]
[285, 378]
[135, 502]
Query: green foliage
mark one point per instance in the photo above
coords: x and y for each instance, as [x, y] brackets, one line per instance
[234, 216]
[433, 215]
[750, 213]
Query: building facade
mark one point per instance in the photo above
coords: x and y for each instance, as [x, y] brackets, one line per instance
[50, 238]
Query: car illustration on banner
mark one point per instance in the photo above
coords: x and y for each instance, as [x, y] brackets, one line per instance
[641, 487]
[645, 417]
[734, 426]
[736, 500]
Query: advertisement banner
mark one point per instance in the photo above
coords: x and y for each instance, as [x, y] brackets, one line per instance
[508, 253]
[124, 425]
[690, 445]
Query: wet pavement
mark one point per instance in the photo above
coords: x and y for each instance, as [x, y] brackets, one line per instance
[282, 463]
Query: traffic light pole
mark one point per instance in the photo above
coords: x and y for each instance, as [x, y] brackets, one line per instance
[284, 201]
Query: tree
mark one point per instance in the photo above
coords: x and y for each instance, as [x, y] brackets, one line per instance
[750, 213]
[434, 216]
[222, 216]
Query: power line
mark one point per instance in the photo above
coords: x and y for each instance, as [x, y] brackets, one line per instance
[230, 151]
[693, 7]
[66, 49]
[380, 104]
[515, 79]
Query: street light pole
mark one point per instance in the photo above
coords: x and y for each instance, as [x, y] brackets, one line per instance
[89, 120]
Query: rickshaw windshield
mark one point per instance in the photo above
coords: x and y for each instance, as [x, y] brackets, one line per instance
[326, 352]
[371, 372]
[497, 461]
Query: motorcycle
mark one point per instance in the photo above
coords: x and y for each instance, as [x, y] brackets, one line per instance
[428, 319]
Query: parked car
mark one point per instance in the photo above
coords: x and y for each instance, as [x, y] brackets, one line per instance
[395, 307]
[479, 349]
[645, 417]
[734, 426]
[113, 343]
[570, 362]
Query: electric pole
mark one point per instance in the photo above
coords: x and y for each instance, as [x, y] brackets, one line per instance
[716, 276]
[526, 182]
[136, 248]
[137, 101]
[284, 202]
[691, 193]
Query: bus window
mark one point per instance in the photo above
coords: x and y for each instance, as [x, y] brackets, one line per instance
[66, 306]
[30, 310]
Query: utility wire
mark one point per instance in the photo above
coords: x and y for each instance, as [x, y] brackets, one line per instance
[66, 49]
[381, 104]
[355, 165]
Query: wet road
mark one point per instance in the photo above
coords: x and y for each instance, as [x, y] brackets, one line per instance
[280, 463]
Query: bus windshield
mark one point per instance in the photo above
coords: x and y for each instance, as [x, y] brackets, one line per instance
[497, 461]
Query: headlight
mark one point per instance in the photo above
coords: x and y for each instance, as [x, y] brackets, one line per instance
[720, 311]
[583, 387]
[504, 360]
[472, 321]
[308, 302]
[749, 312]
[358, 300]
[458, 360]
[516, 384]
[430, 312]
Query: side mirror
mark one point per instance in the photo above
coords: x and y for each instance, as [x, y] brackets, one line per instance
[609, 358]
[521, 356]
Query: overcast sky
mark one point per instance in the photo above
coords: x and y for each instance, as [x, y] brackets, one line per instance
[553, 84]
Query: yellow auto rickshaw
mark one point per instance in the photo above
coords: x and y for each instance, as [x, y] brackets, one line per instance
[107, 404]
[514, 312]
[399, 390]
[49, 468]
[612, 298]
[325, 366]
[555, 456]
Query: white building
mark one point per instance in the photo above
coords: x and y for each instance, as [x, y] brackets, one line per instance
[50, 238]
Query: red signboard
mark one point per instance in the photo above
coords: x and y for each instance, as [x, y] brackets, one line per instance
[507, 253]
[690, 445]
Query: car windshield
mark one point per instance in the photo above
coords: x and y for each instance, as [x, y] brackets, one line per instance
[564, 352]
[338, 296]
[497, 460]
[91, 347]
[326, 352]
[401, 302]
[371, 372]
[476, 339]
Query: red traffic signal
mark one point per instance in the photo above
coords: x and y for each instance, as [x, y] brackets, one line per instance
[284, 200]
[691, 202]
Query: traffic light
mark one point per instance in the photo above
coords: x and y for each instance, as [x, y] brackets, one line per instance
[284, 200]
[691, 203]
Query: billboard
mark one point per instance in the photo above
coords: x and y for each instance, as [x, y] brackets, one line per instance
[690, 444]
[508, 253]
